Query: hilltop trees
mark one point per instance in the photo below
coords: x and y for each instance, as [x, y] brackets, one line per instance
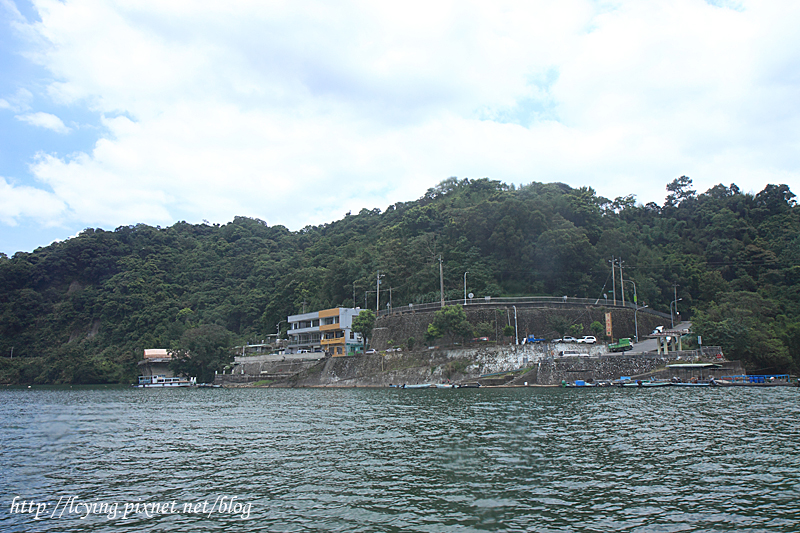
[85, 308]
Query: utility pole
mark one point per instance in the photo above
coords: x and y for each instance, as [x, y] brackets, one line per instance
[621, 281]
[613, 280]
[378, 293]
[465, 287]
[441, 281]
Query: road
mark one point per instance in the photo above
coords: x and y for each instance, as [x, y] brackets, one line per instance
[649, 345]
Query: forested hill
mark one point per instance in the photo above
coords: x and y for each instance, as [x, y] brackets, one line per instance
[84, 309]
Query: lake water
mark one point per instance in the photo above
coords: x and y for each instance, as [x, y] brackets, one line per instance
[525, 459]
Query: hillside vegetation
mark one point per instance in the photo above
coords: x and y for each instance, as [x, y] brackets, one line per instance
[82, 310]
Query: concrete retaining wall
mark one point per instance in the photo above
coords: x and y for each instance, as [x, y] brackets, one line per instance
[398, 328]
[487, 364]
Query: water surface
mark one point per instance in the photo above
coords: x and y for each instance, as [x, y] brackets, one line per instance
[526, 459]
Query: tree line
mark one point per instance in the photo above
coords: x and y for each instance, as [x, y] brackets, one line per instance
[83, 310]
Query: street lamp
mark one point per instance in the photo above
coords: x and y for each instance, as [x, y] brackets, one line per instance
[465, 287]
[671, 315]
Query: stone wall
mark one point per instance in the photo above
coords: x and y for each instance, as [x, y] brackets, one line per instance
[249, 369]
[486, 363]
[612, 367]
[399, 327]
[420, 366]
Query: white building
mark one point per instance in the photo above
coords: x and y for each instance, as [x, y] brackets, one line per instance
[327, 331]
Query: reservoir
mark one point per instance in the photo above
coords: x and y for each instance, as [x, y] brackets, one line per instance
[489, 459]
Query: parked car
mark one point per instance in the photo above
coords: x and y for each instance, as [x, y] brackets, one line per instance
[572, 353]
[588, 339]
[371, 351]
[566, 339]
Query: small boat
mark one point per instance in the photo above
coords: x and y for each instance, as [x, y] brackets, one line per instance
[445, 385]
[639, 383]
[420, 386]
[656, 384]
[162, 381]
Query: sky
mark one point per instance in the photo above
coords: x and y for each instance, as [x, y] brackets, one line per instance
[115, 113]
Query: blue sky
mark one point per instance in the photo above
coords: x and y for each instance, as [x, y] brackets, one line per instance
[114, 113]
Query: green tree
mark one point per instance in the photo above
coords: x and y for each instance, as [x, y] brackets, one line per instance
[744, 325]
[432, 333]
[201, 352]
[450, 321]
[364, 324]
[484, 329]
[680, 191]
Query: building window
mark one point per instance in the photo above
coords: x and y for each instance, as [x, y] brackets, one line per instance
[352, 335]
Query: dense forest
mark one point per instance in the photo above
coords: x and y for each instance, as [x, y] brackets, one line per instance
[82, 310]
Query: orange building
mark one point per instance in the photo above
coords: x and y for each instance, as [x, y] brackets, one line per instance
[328, 331]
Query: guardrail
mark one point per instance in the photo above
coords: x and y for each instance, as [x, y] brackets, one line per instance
[526, 301]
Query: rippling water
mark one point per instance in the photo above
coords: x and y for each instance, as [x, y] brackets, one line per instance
[526, 459]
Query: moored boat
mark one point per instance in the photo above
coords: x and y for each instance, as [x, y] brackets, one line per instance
[162, 381]
[640, 383]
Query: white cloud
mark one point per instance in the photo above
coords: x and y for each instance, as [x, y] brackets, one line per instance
[17, 102]
[17, 202]
[298, 112]
[44, 120]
